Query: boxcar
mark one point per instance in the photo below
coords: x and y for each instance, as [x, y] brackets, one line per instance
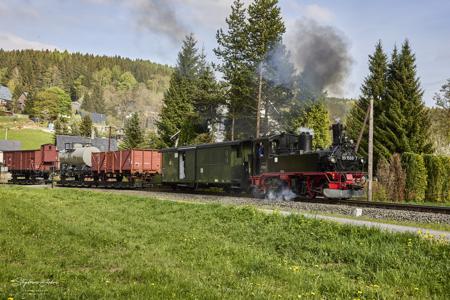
[32, 165]
[224, 165]
[130, 164]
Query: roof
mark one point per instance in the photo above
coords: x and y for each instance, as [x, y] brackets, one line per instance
[5, 93]
[100, 143]
[7, 145]
[202, 146]
[95, 117]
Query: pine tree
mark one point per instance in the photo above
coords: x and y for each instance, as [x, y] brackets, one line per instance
[60, 127]
[280, 90]
[86, 126]
[374, 87]
[207, 99]
[417, 117]
[134, 137]
[405, 120]
[265, 29]
[178, 99]
[237, 70]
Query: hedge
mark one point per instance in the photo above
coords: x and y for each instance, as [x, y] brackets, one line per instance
[446, 186]
[437, 170]
[416, 176]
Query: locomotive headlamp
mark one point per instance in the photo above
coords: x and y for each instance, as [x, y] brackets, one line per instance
[333, 159]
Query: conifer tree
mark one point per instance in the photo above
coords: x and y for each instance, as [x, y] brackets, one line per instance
[86, 126]
[134, 137]
[374, 87]
[237, 69]
[279, 91]
[417, 116]
[177, 102]
[404, 121]
[265, 29]
[207, 99]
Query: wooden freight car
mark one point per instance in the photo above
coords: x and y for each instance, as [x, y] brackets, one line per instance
[132, 165]
[32, 166]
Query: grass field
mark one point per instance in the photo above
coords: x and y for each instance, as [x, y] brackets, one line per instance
[65, 243]
[29, 138]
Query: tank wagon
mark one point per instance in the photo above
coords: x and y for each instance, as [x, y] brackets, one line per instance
[76, 163]
[88, 166]
[32, 166]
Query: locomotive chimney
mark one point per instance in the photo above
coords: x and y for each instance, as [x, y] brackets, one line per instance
[338, 130]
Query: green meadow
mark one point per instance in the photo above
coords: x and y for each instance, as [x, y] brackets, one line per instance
[12, 129]
[67, 243]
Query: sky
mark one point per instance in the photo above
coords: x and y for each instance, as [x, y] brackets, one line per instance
[153, 29]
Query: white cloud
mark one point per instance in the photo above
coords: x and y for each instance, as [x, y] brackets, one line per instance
[10, 41]
[318, 13]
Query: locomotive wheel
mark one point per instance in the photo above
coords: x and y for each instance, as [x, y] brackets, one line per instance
[257, 193]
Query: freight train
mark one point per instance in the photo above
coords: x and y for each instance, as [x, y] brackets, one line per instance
[281, 166]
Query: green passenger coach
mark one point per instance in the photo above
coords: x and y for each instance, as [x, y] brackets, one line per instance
[226, 165]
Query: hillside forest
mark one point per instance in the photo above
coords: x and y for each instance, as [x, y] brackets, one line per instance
[114, 86]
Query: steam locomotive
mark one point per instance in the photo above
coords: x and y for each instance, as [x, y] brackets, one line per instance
[281, 166]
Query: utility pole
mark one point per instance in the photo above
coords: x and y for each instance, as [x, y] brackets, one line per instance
[109, 139]
[370, 151]
[258, 106]
[362, 129]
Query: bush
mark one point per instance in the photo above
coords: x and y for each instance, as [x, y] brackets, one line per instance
[396, 185]
[437, 173]
[379, 192]
[446, 187]
[416, 176]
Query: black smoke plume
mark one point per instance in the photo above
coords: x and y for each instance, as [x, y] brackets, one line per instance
[321, 54]
[159, 16]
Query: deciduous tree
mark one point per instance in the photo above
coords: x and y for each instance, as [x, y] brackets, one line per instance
[51, 103]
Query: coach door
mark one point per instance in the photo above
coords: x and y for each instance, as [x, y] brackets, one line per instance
[181, 165]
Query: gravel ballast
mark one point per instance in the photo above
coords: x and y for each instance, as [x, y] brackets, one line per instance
[373, 213]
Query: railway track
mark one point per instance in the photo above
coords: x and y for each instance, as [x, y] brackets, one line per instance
[357, 203]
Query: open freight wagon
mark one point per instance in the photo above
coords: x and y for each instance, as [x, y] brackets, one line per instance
[131, 166]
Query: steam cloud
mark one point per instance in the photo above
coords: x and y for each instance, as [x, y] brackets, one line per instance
[159, 16]
[321, 54]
